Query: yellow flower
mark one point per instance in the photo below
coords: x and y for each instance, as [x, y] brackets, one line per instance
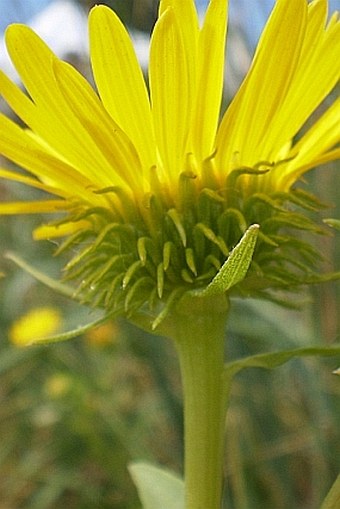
[155, 189]
[37, 323]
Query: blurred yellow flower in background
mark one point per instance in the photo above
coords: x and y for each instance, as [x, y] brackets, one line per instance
[106, 334]
[35, 324]
[58, 385]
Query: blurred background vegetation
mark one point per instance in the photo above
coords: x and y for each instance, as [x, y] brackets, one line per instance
[73, 415]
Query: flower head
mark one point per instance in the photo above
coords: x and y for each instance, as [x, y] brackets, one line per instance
[154, 190]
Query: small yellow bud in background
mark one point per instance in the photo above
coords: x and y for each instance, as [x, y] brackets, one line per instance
[103, 335]
[57, 385]
[37, 323]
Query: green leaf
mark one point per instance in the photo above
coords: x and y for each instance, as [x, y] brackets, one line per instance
[274, 359]
[235, 267]
[332, 501]
[158, 488]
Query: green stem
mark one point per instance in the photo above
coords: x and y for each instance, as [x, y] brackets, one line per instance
[199, 335]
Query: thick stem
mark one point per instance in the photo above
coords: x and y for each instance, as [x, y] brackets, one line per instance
[200, 328]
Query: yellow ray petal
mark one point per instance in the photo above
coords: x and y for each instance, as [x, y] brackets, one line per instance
[170, 92]
[23, 179]
[41, 123]
[323, 135]
[211, 49]
[312, 148]
[47, 231]
[317, 73]
[21, 148]
[112, 141]
[62, 130]
[186, 15]
[120, 80]
[17, 100]
[328, 157]
[33, 207]
[37, 120]
[283, 180]
[248, 118]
